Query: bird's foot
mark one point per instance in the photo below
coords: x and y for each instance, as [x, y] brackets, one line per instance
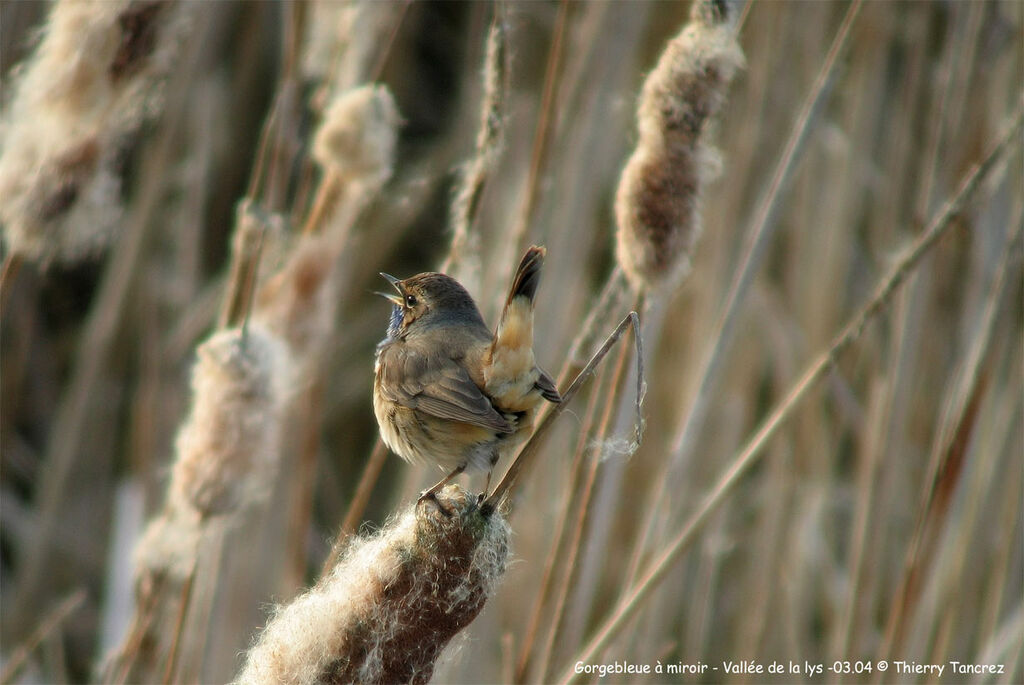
[431, 496]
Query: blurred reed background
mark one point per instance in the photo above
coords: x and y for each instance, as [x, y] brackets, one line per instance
[161, 161]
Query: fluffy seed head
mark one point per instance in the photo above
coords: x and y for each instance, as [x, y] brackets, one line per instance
[657, 205]
[74, 105]
[389, 607]
[358, 135]
[296, 303]
[227, 450]
[168, 547]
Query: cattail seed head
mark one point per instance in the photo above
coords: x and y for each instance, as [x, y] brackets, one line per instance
[296, 303]
[387, 609]
[358, 135]
[463, 259]
[227, 450]
[657, 205]
[74, 104]
[168, 547]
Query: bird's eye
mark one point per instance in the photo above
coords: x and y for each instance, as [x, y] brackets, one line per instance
[410, 301]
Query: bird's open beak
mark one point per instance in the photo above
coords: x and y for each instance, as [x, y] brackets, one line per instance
[396, 298]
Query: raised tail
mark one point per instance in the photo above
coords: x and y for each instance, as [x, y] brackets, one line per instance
[512, 374]
[527, 276]
[515, 327]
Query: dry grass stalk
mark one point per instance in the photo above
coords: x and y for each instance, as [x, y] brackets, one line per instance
[19, 655]
[526, 455]
[553, 559]
[946, 465]
[634, 598]
[253, 229]
[90, 83]
[392, 603]
[489, 141]
[657, 205]
[759, 237]
[583, 509]
[541, 136]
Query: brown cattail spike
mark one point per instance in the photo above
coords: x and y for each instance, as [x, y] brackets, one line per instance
[657, 206]
[387, 610]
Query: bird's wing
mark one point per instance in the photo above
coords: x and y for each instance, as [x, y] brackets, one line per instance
[547, 388]
[437, 385]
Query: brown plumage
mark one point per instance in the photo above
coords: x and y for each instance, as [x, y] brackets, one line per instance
[447, 392]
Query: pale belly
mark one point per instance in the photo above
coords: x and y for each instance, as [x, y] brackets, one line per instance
[426, 440]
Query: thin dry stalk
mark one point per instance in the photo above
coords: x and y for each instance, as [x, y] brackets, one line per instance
[582, 516]
[947, 462]
[302, 485]
[18, 657]
[1009, 515]
[529, 450]
[611, 295]
[8, 276]
[634, 598]
[251, 226]
[561, 527]
[277, 147]
[759, 236]
[185, 600]
[371, 472]
[117, 667]
[867, 477]
[489, 140]
[286, 146]
[542, 133]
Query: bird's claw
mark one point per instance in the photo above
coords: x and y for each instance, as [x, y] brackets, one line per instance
[429, 495]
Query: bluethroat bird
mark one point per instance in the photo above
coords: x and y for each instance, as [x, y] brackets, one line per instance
[446, 391]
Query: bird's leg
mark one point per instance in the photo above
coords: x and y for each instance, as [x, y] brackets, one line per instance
[432, 492]
[487, 483]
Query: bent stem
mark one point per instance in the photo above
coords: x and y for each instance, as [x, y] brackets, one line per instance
[547, 577]
[755, 248]
[529, 450]
[752, 450]
[583, 510]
